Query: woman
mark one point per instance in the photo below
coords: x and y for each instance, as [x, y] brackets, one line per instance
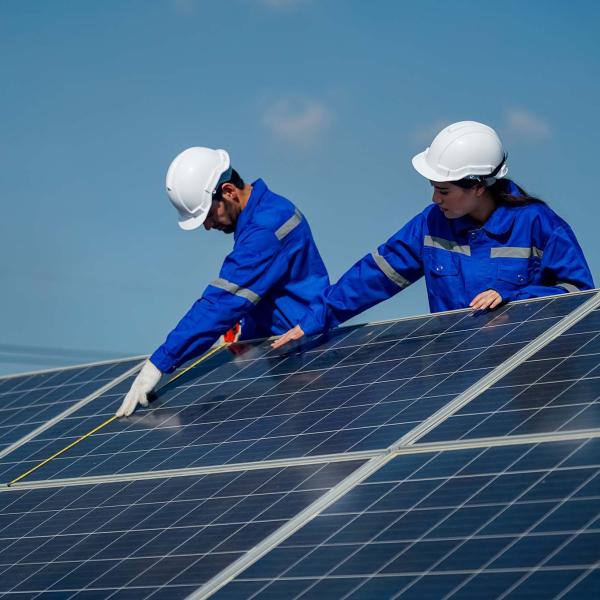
[484, 241]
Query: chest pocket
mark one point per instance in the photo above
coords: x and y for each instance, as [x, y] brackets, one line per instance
[442, 273]
[516, 272]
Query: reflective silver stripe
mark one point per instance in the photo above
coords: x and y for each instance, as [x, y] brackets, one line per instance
[515, 252]
[450, 245]
[292, 222]
[389, 271]
[236, 290]
[567, 286]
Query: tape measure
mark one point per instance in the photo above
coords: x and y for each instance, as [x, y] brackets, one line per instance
[210, 353]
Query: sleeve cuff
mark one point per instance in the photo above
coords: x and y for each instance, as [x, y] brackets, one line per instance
[162, 361]
[310, 325]
[506, 294]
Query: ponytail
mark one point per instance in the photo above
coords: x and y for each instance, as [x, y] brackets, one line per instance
[504, 191]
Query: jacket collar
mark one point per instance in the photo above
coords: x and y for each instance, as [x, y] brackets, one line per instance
[500, 221]
[259, 189]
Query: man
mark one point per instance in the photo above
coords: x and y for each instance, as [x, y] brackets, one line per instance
[266, 282]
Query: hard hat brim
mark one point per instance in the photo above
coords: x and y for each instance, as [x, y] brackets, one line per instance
[188, 223]
[422, 167]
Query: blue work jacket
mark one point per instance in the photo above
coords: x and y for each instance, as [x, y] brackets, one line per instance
[522, 251]
[267, 282]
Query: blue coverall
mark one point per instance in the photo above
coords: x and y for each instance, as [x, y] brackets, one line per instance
[267, 282]
[522, 251]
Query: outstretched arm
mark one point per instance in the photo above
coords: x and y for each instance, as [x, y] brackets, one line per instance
[376, 277]
[247, 274]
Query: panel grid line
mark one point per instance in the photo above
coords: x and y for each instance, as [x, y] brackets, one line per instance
[559, 504]
[488, 442]
[182, 390]
[421, 537]
[504, 368]
[573, 382]
[72, 367]
[274, 496]
[576, 581]
[207, 525]
[68, 411]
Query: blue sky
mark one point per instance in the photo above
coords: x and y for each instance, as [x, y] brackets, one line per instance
[327, 100]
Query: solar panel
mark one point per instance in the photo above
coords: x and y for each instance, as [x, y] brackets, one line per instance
[557, 389]
[476, 523]
[453, 455]
[28, 401]
[361, 390]
[158, 538]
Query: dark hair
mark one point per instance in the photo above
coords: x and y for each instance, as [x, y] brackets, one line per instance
[504, 191]
[234, 179]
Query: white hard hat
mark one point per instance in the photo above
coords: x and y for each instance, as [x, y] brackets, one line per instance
[461, 150]
[192, 179]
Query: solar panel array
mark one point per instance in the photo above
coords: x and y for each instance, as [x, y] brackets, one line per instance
[151, 538]
[452, 455]
[479, 523]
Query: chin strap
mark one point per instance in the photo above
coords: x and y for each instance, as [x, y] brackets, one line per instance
[489, 180]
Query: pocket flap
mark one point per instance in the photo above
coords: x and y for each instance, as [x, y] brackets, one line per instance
[515, 274]
[442, 266]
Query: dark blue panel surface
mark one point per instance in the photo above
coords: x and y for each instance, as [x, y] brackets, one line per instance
[359, 389]
[159, 538]
[557, 389]
[28, 401]
[479, 523]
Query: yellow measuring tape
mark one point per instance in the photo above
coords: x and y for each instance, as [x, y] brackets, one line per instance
[113, 418]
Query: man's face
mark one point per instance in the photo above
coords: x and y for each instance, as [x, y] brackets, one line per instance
[224, 212]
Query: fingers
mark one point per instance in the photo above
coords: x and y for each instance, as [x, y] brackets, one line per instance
[134, 397]
[293, 334]
[124, 408]
[282, 341]
[496, 302]
[485, 300]
[143, 384]
[480, 302]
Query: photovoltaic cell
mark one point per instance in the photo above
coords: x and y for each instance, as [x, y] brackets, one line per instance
[360, 389]
[29, 401]
[158, 538]
[557, 389]
[517, 521]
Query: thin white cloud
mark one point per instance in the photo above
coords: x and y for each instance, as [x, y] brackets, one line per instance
[299, 121]
[524, 124]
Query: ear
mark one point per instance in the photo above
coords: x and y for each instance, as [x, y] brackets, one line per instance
[228, 190]
[479, 190]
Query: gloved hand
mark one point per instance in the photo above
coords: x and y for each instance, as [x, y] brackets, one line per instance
[143, 384]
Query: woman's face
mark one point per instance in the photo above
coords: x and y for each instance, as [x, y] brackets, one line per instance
[453, 200]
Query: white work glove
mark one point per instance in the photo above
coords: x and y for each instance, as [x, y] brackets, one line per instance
[143, 384]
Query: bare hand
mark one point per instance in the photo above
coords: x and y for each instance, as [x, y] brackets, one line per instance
[488, 299]
[293, 334]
